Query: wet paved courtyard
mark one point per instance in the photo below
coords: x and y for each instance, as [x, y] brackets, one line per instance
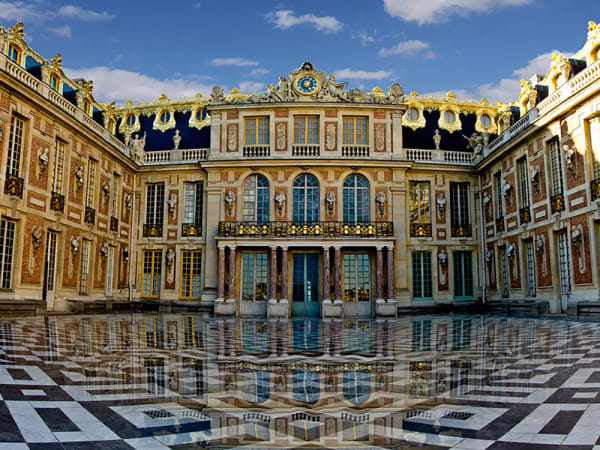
[185, 381]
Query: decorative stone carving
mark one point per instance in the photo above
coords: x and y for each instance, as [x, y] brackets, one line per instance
[172, 203]
[216, 94]
[128, 201]
[510, 250]
[489, 260]
[540, 245]
[510, 253]
[170, 258]
[280, 136]
[104, 249]
[176, 140]
[442, 258]
[78, 178]
[137, 145]
[330, 201]
[534, 173]
[74, 245]
[475, 142]
[488, 255]
[437, 139]
[125, 254]
[229, 203]
[330, 136]
[506, 190]
[106, 188]
[379, 137]
[1, 123]
[232, 138]
[577, 240]
[381, 200]
[441, 206]
[280, 203]
[486, 203]
[570, 160]
[42, 162]
[36, 237]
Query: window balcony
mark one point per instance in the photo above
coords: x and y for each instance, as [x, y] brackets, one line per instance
[256, 151]
[420, 229]
[525, 215]
[500, 225]
[557, 203]
[57, 202]
[114, 224]
[89, 216]
[191, 229]
[13, 186]
[595, 188]
[306, 150]
[355, 151]
[461, 231]
[306, 229]
[152, 230]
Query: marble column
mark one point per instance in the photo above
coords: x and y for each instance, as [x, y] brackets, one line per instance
[231, 294]
[338, 274]
[273, 276]
[326, 283]
[221, 275]
[284, 275]
[379, 274]
[390, 273]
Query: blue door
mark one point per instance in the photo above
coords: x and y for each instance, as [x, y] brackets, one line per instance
[305, 289]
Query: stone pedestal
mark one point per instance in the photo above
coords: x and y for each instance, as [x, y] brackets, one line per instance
[224, 308]
[277, 309]
[386, 308]
[331, 309]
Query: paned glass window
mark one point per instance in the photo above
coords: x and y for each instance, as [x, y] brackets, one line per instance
[91, 187]
[108, 282]
[355, 131]
[556, 168]
[305, 199]
[594, 141]
[305, 385]
[7, 242]
[115, 194]
[463, 275]
[522, 173]
[306, 129]
[15, 146]
[59, 167]
[151, 273]
[356, 199]
[191, 264]
[421, 335]
[53, 82]
[192, 204]
[531, 279]
[14, 53]
[193, 377]
[256, 130]
[155, 200]
[459, 204]
[254, 276]
[84, 268]
[356, 386]
[419, 202]
[461, 334]
[499, 197]
[155, 375]
[194, 330]
[421, 276]
[256, 430]
[256, 199]
[357, 277]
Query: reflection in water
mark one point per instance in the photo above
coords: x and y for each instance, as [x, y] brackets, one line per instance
[418, 380]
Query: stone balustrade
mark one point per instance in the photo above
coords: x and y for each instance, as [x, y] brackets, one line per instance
[355, 151]
[437, 156]
[163, 157]
[305, 150]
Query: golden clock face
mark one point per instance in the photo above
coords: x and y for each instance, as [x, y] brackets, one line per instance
[306, 84]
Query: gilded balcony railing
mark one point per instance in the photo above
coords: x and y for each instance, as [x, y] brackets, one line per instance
[191, 229]
[420, 229]
[557, 203]
[306, 229]
[595, 188]
[525, 215]
[114, 224]
[461, 230]
[89, 216]
[57, 202]
[499, 224]
[13, 186]
[152, 230]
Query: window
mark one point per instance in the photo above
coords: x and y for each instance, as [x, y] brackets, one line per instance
[499, 197]
[193, 378]
[256, 386]
[522, 173]
[192, 203]
[356, 386]
[155, 375]
[53, 82]
[531, 279]
[485, 121]
[355, 428]
[87, 107]
[89, 200]
[255, 337]
[306, 427]
[130, 120]
[461, 334]
[151, 273]
[84, 267]
[191, 263]
[355, 131]
[256, 130]
[419, 202]
[449, 117]
[421, 276]
[305, 199]
[115, 195]
[594, 141]
[256, 428]
[108, 282]
[463, 275]
[15, 146]
[357, 271]
[164, 117]
[14, 53]
[193, 331]
[254, 276]
[7, 242]
[256, 199]
[459, 204]
[412, 114]
[556, 169]
[421, 335]
[155, 199]
[356, 199]
[306, 129]
[59, 164]
[305, 385]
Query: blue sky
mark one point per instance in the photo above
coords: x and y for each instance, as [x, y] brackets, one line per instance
[139, 49]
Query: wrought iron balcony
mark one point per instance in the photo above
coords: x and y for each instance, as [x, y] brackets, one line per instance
[114, 224]
[306, 229]
[191, 229]
[13, 186]
[595, 188]
[525, 215]
[89, 216]
[57, 202]
[461, 231]
[420, 230]
[152, 230]
[500, 225]
[557, 203]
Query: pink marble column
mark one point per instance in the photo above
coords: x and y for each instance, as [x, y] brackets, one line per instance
[390, 273]
[379, 274]
[338, 274]
[231, 295]
[221, 275]
[273, 275]
[284, 273]
[326, 283]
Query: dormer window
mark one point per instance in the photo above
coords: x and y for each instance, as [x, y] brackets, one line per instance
[87, 107]
[53, 82]
[412, 114]
[449, 117]
[14, 53]
[164, 117]
[198, 114]
[130, 120]
[485, 121]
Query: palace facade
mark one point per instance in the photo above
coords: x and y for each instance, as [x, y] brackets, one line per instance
[308, 199]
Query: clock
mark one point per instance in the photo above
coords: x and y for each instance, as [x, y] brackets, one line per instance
[306, 84]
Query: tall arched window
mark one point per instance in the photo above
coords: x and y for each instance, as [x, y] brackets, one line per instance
[306, 199]
[356, 199]
[256, 199]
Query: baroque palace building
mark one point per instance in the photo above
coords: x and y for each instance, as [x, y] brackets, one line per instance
[308, 199]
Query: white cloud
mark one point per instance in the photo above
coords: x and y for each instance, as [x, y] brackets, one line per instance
[251, 86]
[365, 38]
[438, 11]
[87, 15]
[20, 12]
[64, 31]
[349, 74]
[241, 62]
[405, 48]
[259, 71]
[121, 85]
[286, 18]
